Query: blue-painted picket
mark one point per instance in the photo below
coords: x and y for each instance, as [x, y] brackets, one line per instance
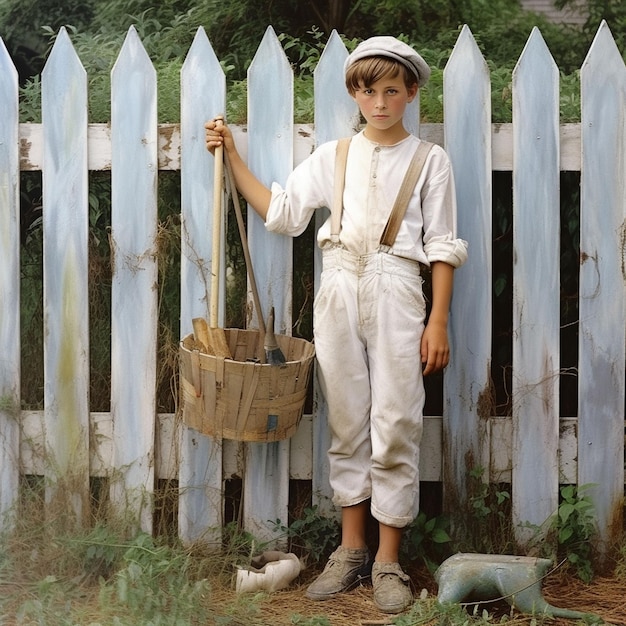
[602, 276]
[203, 88]
[66, 299]
[134, 304]
[9, 288]
[536, 280]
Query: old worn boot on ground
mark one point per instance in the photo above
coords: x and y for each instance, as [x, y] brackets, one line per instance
[345, 566]
[392, 588]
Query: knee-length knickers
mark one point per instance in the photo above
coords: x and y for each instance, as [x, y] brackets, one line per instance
[369, 318]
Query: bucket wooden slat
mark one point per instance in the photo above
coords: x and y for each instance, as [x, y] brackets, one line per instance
[250, 386]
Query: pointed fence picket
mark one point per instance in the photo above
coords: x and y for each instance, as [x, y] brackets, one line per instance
[535, 449]
[270, 157]
[602, 276]
[467, 404]
[536, 283]
[203, 90]
[9, 287]
[66, 298]
[134, 313]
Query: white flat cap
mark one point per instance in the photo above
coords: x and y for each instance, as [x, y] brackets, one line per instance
[393, 48]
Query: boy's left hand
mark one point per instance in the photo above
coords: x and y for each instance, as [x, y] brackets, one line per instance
[434, 348]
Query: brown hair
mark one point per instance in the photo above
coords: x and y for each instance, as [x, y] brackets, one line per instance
[365, 72]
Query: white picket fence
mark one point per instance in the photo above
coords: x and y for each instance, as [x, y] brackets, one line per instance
[534, 449]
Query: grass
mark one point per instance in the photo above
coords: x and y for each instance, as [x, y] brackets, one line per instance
[149, 583]
[53, 572]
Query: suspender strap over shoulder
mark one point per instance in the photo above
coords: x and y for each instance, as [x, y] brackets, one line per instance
[401, 203]
[404, 194]
[341, 158]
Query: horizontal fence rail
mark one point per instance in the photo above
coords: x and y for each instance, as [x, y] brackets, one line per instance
[535, 449]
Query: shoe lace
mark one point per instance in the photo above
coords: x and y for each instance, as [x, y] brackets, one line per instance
[391, 574]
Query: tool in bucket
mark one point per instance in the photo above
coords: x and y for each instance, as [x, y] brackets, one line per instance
[273, 353]
[214, 336]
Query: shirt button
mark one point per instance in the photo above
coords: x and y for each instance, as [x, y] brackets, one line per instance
[377, 148]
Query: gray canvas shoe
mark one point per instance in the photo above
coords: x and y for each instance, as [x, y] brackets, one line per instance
[344, 568]
[392, 588]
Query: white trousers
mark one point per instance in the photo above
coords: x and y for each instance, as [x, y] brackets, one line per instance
[368, 322]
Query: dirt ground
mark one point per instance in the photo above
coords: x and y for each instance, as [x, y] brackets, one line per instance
[604, 596]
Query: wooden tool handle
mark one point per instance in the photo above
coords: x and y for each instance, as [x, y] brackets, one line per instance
[218, 170]
[246, 248]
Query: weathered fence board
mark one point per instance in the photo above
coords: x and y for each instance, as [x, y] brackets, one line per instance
[270, 157]
[66, 297]
[601, 313]
[9, 286]
[536, 284]
[467, 379]
[132, 446]
[304, 140]
[134, 290]
[203, 95]
[301, 463]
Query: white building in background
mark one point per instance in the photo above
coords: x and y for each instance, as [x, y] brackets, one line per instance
[568, 15]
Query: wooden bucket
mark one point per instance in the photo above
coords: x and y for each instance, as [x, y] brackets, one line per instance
[242, 398]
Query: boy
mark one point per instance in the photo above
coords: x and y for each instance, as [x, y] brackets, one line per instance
[369, 314]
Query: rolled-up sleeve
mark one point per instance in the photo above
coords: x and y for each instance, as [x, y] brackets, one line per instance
[281, 216]
[450, 251]
[439, 211]
[307, 189]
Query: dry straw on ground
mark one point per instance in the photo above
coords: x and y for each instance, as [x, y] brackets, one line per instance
[605, 597]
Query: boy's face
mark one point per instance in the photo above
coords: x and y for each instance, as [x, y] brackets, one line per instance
[382, 104]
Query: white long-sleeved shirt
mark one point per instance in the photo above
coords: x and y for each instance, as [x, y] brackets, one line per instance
[374, 174]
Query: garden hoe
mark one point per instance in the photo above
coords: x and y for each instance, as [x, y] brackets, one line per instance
[273, 353]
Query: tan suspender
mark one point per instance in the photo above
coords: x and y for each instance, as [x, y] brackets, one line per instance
[413, 172]
[341, 159]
